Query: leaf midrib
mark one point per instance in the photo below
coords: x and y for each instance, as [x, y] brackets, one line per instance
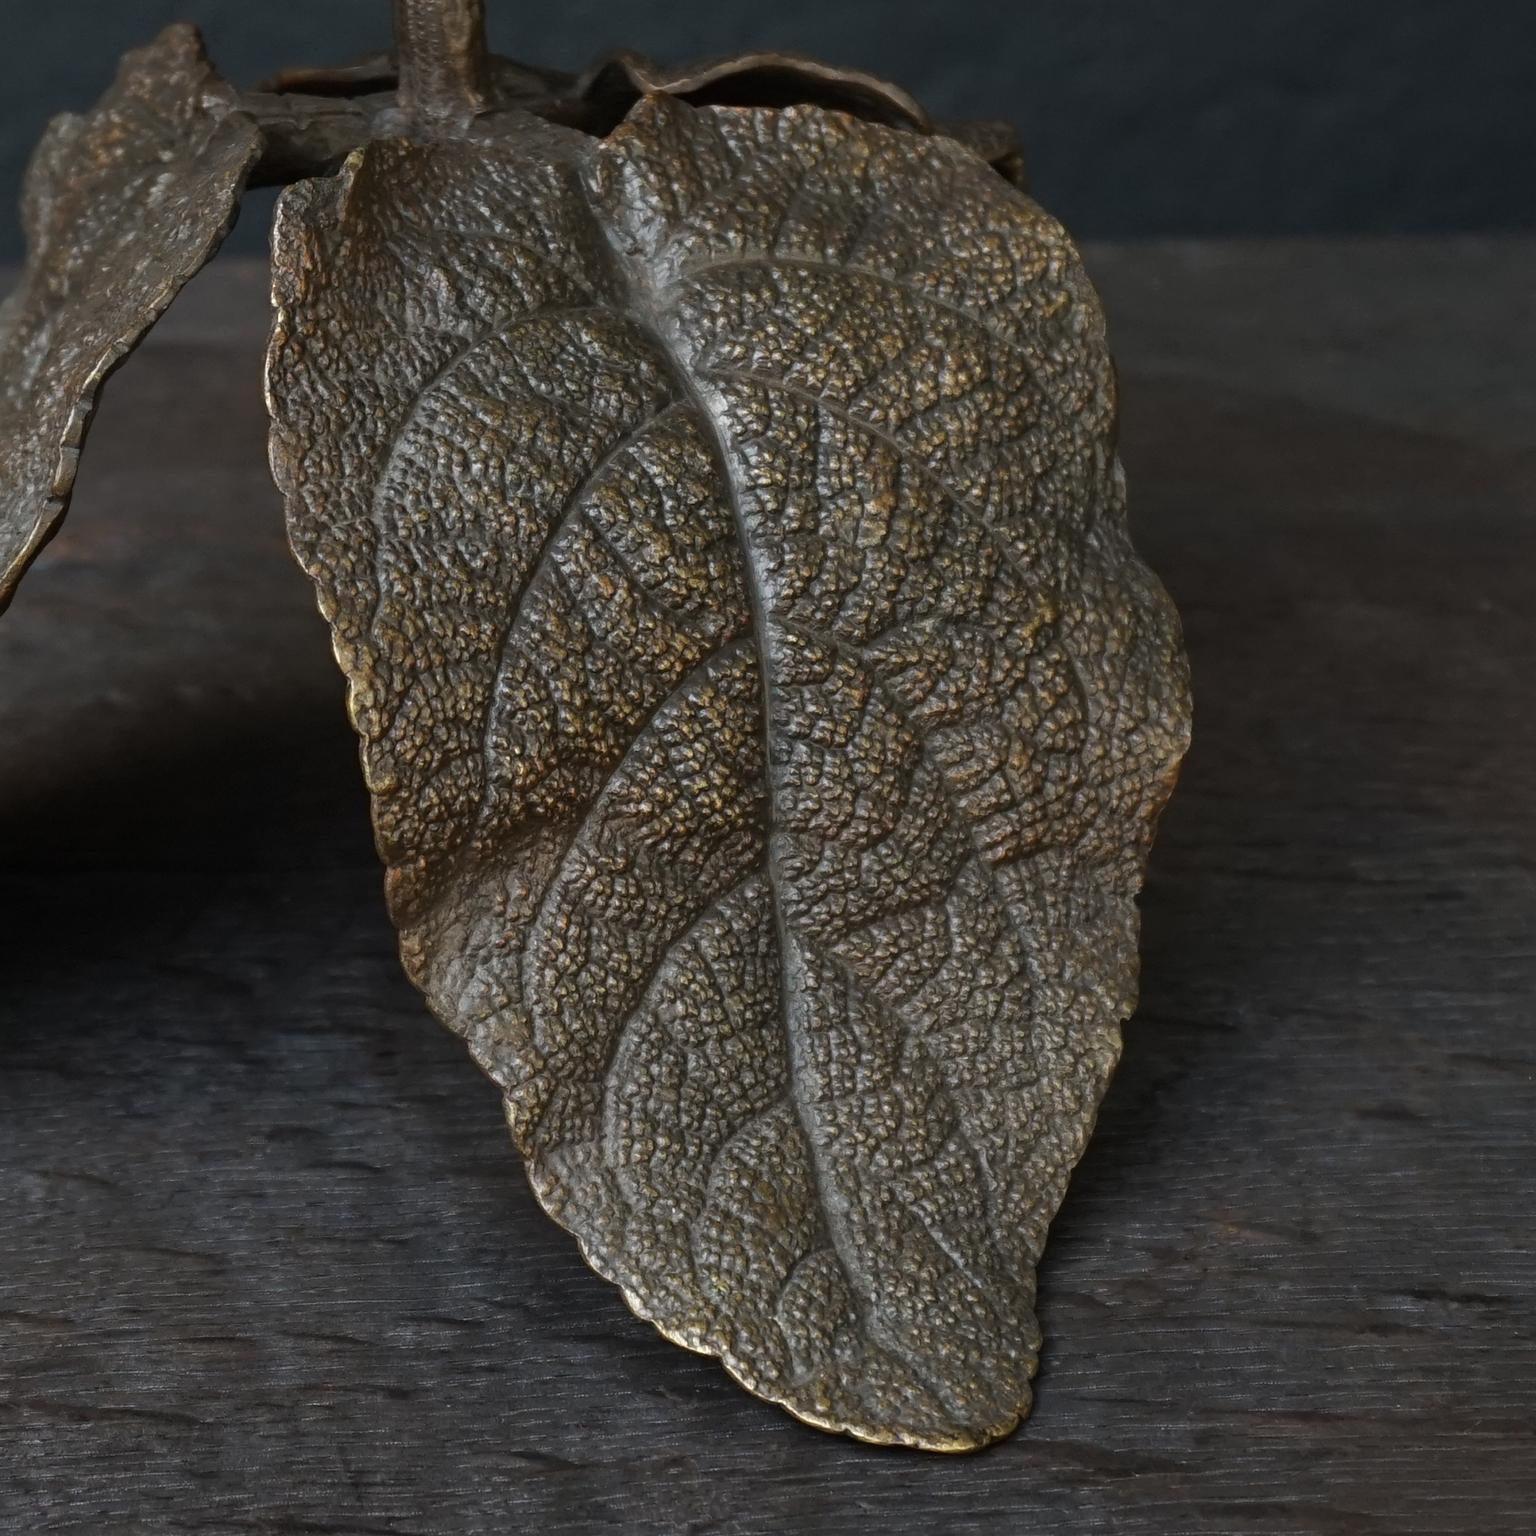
[633, 278]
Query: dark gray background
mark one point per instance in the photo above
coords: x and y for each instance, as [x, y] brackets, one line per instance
[1193, 117]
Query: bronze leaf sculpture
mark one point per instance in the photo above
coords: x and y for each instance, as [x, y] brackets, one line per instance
[709, 479]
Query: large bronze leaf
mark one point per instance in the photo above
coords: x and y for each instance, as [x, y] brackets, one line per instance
[121, 207]
[764, 710]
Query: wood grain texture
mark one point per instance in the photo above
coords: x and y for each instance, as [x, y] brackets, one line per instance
[268, 1265]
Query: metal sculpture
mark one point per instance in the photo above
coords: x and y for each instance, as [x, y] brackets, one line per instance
[709, 480]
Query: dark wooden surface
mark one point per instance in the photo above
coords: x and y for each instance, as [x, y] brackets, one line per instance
[268, 1265]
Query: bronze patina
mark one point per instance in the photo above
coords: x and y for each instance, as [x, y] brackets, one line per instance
[709, 478]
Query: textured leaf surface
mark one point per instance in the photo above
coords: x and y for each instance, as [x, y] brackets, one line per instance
[121, 207]
[764, 711]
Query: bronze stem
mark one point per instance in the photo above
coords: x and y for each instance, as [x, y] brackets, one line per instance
[442, 58]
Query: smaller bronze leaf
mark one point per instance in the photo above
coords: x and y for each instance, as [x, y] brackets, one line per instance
[121, 206]
[611, 87]
[754, 79]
